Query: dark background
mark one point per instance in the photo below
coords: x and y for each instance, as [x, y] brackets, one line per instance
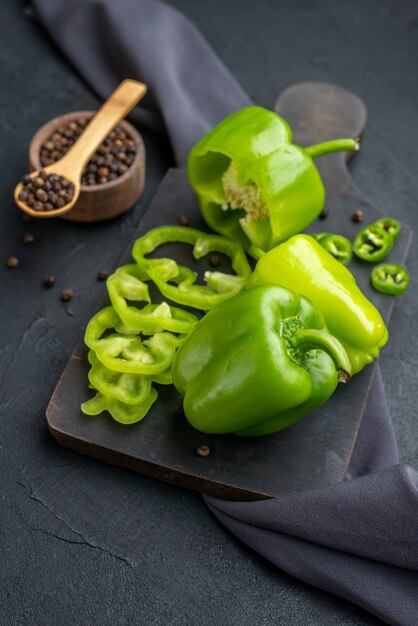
[82, 542]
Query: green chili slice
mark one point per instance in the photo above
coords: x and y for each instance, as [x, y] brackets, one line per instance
[390, 278]
[372, 243]
[337, 245]
[390, 225]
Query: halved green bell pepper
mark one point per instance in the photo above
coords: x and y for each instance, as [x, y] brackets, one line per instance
[257, 363]
[303, 265]
[253, 184]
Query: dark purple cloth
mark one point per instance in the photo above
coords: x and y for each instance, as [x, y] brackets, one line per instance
[190, 90]
[357, 539]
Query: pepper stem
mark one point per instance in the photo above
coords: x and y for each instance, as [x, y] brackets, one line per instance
[310, 339]
[336, 145]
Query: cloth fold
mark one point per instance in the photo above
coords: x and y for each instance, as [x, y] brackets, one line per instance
[190, 90]
[357, 539]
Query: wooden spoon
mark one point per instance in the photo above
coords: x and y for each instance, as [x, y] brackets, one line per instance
[72, 164]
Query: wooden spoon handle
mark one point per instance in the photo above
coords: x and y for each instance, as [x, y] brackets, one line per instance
[116, 107]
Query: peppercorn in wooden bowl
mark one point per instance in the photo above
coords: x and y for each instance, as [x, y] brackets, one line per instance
[113, 179]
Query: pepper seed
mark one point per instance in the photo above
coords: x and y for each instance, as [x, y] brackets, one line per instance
[184, 221]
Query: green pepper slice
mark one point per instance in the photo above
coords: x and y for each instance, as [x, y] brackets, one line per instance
[390, 278]
[121, 412]
[372, 243]
[337, 245]
[176, 282]
[126, 285]
[390, 225]
[126, 351]
[127, 388]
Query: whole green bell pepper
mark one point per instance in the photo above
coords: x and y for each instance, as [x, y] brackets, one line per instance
[253, 184]
[303, 265]
[257, 363]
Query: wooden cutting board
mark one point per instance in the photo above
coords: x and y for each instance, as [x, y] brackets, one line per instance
[314, 452]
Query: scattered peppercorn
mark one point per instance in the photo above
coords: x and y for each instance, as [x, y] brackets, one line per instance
[66, 295]
[46, 192]
[324, 214]
[358, 216]
[112, 159]
[184, 221]
[12, 262]
[203, 450]
[49, 281]
[25, 217]
[102, 275]
[214, 260]
[27, 239]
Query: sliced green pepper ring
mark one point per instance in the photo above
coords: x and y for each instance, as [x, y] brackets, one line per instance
[126, 284]
[127, 388]
[390, 278]
[337, 245]
[121, 412]
[390, 225]
[372, 243]
[176, 282]
[127, 352]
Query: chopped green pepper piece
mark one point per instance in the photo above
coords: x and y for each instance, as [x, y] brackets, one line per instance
[390, 278]
[253, 183]
[301, 264]
[274, 362]
[390, 225]
[177, 282]
[121, 412]
[372, 243]
[125, 351]
[127, 388]
[337, 245]
[126, 285]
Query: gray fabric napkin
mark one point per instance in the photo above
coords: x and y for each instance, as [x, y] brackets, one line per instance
[357, 539]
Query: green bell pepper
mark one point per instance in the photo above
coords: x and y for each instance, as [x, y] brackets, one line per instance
[257, 363]
[303, 265]
[253, 184]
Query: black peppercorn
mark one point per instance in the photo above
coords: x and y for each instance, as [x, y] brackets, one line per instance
[12, 262]
[28, 238]
[102, 275]
[49, 281]
[357, 216]
[66, 295]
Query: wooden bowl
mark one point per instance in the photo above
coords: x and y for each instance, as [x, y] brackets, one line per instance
[98, 202]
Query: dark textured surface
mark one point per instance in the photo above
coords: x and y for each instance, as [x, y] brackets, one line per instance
[80, 541]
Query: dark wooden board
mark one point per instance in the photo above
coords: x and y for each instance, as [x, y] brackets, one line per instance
[314, 452]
